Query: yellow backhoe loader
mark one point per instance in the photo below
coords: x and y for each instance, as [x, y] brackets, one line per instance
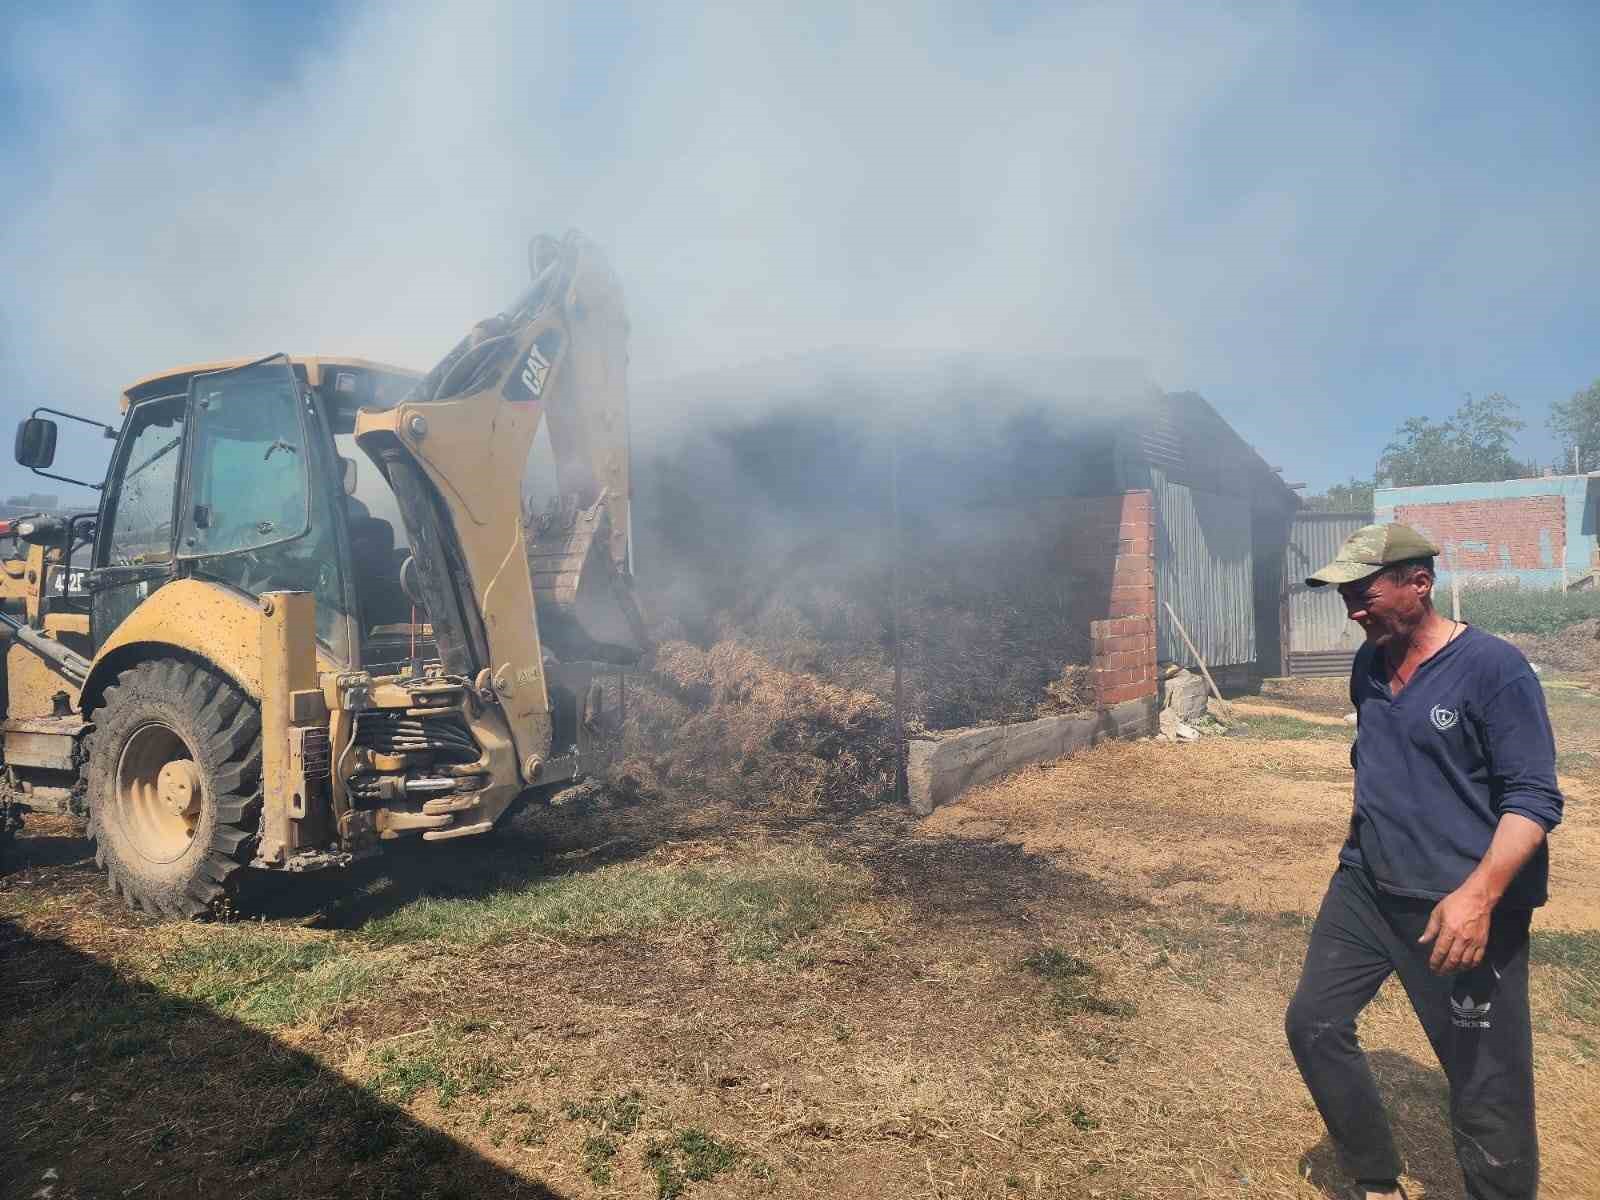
[310, 613]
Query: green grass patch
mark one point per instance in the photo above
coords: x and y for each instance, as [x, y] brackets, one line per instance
[1513, 610]
[1075, 984]
[693, 1156]
[597, 1153]
[1574, 762]
[1201, 944]
[1083, 1120]
[1574, 950]
[1273, 727]
[445, 1066]
[263, 978]
[1573, 959]
[614, 1117]
[759, 907]
[618, 1114]
[1055, 963]
[1576, 958]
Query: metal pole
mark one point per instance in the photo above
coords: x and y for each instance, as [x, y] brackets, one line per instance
[895, 623]
[894, 604]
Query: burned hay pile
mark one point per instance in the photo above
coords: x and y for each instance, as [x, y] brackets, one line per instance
[727, 723]
[771, 570]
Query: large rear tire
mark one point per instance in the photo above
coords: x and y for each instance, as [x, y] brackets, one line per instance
[175, 788]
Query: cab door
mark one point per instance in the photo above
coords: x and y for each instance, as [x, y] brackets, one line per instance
[246, 487]
[135, 545]
[256, 509]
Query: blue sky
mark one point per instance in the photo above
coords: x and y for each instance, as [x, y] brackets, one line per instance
[1325, 218]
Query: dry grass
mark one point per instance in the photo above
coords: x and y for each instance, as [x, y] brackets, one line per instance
[726, 722]
[1071, 984]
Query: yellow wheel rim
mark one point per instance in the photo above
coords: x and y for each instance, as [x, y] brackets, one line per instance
[158, 793]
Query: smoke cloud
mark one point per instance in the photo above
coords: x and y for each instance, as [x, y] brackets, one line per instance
[1312, 224]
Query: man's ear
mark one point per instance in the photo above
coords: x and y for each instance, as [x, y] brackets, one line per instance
[1424, 583]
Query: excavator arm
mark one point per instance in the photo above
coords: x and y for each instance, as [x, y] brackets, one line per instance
[455, 450]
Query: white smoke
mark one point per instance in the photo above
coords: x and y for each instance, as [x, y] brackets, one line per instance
[1242, 203]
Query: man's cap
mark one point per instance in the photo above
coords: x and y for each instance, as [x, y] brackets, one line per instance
[1370, 549]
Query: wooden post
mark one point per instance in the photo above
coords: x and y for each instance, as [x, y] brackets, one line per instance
[1455, 584]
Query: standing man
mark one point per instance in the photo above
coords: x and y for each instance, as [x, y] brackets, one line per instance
[1444, 864]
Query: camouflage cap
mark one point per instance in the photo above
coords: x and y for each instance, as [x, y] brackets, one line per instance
[1371, 548]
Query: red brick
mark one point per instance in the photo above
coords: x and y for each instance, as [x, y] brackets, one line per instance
[1116, 695]
[1513, 524]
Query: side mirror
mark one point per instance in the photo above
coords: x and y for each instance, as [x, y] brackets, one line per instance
[36, 442]
[409, 583]
[347, 475]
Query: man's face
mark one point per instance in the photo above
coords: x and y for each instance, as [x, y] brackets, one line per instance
[1385, 609]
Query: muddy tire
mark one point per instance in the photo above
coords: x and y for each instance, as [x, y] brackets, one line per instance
[175, 788]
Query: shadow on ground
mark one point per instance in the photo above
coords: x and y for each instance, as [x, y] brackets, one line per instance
[112, 1087]
[1418, 1102]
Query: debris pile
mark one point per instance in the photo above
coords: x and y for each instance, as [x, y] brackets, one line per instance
[1188, 710]
[726, 723]
[1574, 650]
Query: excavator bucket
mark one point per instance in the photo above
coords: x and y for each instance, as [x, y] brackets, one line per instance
[586, 608]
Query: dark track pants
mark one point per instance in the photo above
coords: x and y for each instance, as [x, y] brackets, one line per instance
[1477, 1021]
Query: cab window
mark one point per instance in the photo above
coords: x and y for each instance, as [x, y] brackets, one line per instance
[140, 520]
[247, 486]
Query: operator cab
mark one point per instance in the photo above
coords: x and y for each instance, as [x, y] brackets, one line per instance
[249, 474]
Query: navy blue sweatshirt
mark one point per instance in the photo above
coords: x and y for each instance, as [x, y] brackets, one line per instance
[1467, 740]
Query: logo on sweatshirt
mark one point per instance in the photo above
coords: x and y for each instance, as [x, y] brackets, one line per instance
[1443, 718]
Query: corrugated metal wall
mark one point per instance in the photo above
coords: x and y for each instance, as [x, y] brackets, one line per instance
[1322, 639]
[1204, 570]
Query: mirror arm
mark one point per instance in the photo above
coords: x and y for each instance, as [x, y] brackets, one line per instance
[67, 479]
[56, 412]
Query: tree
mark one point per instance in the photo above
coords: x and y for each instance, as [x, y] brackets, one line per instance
[1354, 496]
[1473, 446]
[1576, 422]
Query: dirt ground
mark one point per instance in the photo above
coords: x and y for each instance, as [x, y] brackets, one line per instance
[1070, 983]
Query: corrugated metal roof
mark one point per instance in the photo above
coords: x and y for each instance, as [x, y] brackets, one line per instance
[1184, 437]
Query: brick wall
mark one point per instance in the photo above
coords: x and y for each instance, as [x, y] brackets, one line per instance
[1527, 533]
[1123, 645]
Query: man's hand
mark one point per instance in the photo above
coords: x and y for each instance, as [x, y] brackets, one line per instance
[1460, 921]
[1459, 930]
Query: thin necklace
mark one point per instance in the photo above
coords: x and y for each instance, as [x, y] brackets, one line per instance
[1394, 673]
